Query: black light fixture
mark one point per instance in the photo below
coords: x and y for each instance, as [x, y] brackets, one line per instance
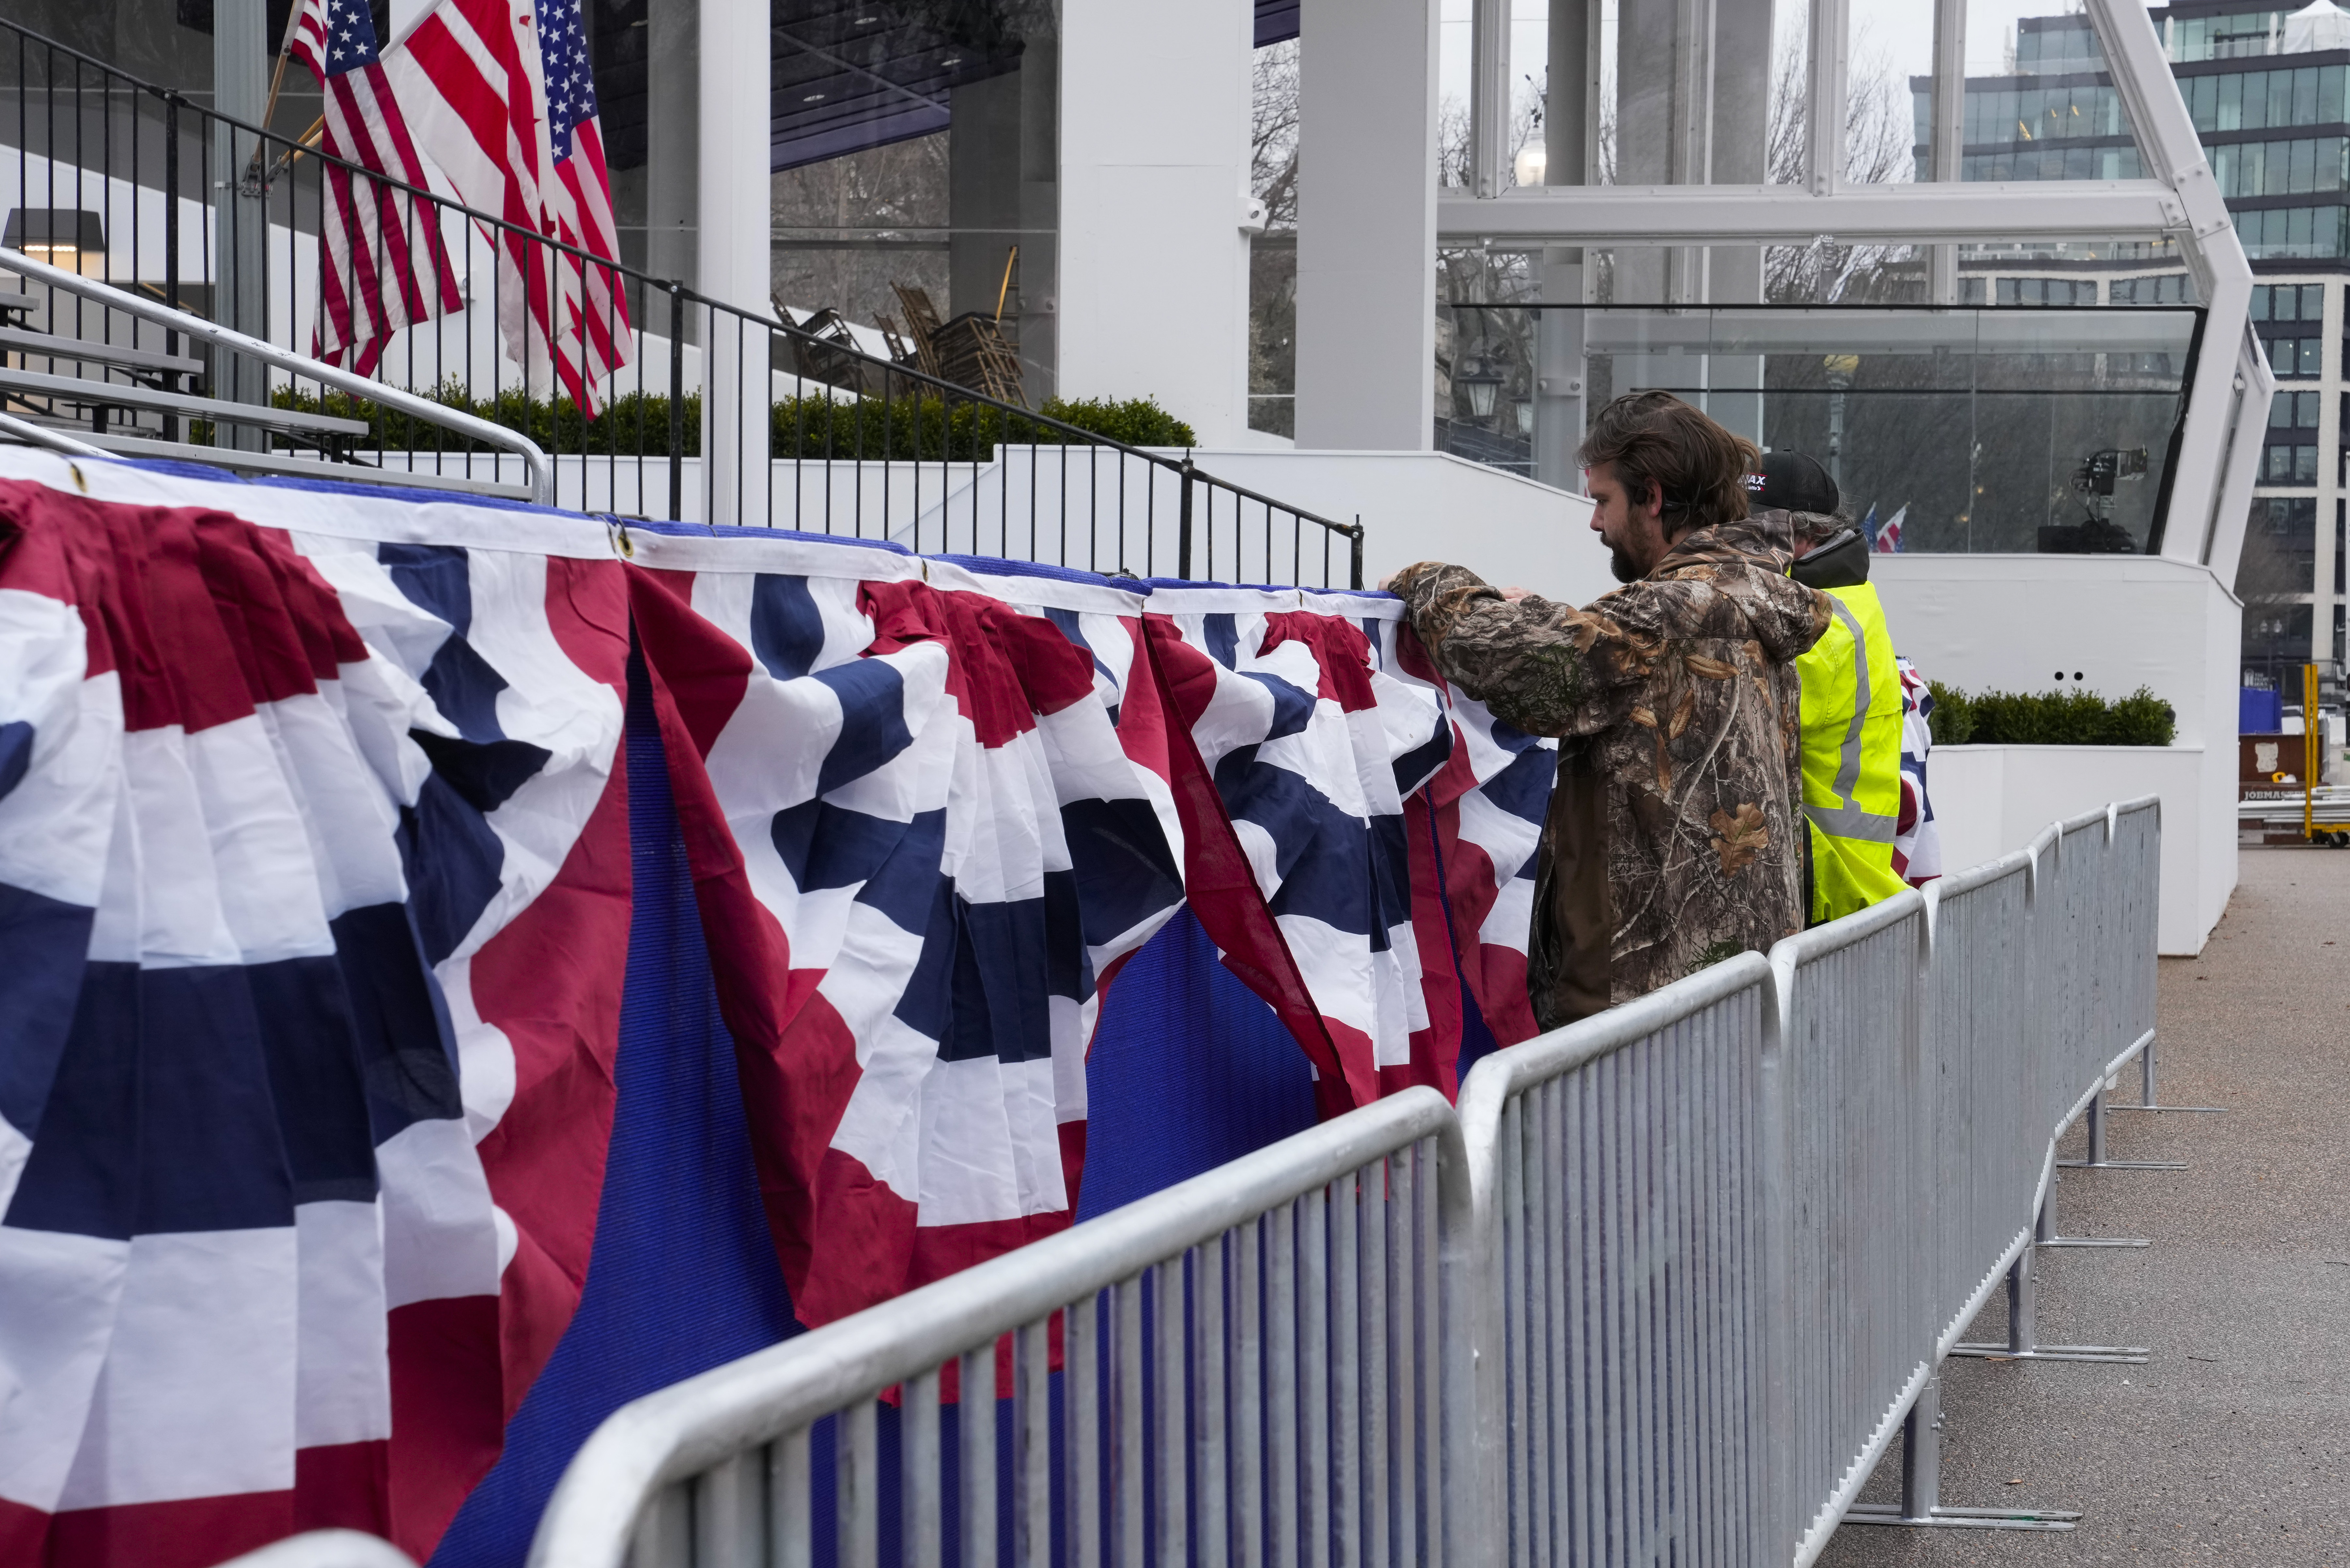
[1482, 382]
[62, 236]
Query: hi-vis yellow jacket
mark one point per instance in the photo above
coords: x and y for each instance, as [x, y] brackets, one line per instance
[1852, 755]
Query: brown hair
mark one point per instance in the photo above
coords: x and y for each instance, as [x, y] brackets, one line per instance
[1656, 443]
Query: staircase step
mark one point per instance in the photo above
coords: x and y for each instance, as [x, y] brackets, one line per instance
[83, 351]
[114, 395]
[87, 393]
[299, 467]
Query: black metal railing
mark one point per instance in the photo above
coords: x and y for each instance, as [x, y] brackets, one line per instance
[719, 415]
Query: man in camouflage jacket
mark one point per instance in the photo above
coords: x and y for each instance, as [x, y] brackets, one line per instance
[1673, 839]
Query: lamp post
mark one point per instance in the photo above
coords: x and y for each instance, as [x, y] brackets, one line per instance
[1483, 383]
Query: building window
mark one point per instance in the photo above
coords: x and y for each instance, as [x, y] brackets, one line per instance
[2053, 164]
[2256, 100]
[2289, 302]
[2059, 291]
[2217, 37]
[2290, 456]
[2292, 232]
[2169, 288]
[2294, 356]
[2284, 463]
[2282, 168]
[1997, 114]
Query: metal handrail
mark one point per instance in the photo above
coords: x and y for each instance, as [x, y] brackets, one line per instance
[499, 231]
[684, 1429]
[41, 435]
[533, 459]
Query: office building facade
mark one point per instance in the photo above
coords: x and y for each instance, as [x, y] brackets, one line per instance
[2268, 89]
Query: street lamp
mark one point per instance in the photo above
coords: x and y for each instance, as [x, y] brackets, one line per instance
[1482, 382]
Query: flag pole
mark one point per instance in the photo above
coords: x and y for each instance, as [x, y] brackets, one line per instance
[276, 83]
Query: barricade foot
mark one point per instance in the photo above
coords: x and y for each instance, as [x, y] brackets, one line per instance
[2043, 1229]
[2122, 1164]
[2145, 1071]
[1963, 1518]
[2121, 1354]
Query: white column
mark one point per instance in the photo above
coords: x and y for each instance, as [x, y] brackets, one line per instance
[732, 218]
[1562, 375]
[1154, 193]
[1366, 225]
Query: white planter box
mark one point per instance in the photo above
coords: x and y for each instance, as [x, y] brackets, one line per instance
[1991, 799]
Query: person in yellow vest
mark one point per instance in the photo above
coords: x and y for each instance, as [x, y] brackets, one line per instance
[1852, 711]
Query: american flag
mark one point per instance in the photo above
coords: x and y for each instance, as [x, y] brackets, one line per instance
[386, 267]
[594, 341]
[496, 98]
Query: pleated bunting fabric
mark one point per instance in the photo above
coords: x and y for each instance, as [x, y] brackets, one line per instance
[315, 874]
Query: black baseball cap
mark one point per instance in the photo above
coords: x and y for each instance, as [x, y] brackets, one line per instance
[1793, 481]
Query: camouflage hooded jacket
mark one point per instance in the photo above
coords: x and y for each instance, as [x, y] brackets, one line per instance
[1672, 841]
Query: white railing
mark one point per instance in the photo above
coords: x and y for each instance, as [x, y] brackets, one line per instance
[1663, 1290]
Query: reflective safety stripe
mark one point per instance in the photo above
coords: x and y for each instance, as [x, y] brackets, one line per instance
[1847, 777]
[1851, 822]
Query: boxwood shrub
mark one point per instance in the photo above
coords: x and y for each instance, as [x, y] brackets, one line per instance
[904, 428]
[2050, 719]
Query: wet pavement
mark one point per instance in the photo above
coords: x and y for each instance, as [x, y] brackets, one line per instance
[2232, 1444]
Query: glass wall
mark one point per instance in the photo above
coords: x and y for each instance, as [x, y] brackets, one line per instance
[2256, 100]
[2223, 37]
[1984, 431]
[914, 157]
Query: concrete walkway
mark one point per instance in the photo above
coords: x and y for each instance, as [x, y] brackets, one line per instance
[2232, 1444]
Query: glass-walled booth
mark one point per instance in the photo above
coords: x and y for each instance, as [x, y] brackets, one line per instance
[1949, 430]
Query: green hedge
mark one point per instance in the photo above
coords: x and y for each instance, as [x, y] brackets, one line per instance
[905, 428]
[2050, 719]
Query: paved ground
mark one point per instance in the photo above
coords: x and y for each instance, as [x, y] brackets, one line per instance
[2232, 1445]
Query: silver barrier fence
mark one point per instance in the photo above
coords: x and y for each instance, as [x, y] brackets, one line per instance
[1620, 1168]
[1666, 1289]
[1256, 1361]
[1857, 1324]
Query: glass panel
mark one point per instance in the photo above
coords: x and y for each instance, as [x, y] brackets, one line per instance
[2041, 103]
[1272, 252]
[1528, 76]
[914, 156]
[1986, 430]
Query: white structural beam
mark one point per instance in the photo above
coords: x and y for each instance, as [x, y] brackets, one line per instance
[1787, 214]
[2211, 495]
[1366, 225]
[734, 262]
[1489, 96]
[1156, 212]
[1829, 51]
[1946, 130]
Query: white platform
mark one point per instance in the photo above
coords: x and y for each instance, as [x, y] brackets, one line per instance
[2011, 623]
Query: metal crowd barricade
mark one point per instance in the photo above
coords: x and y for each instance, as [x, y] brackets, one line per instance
[1989, 1088]
[1255, 1361]
[1857, 1327]
[1620, 1179]
[1665, 1290]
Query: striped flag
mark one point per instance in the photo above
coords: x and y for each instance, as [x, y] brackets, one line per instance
[591, 308]
[496, 98]
[386, 266]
